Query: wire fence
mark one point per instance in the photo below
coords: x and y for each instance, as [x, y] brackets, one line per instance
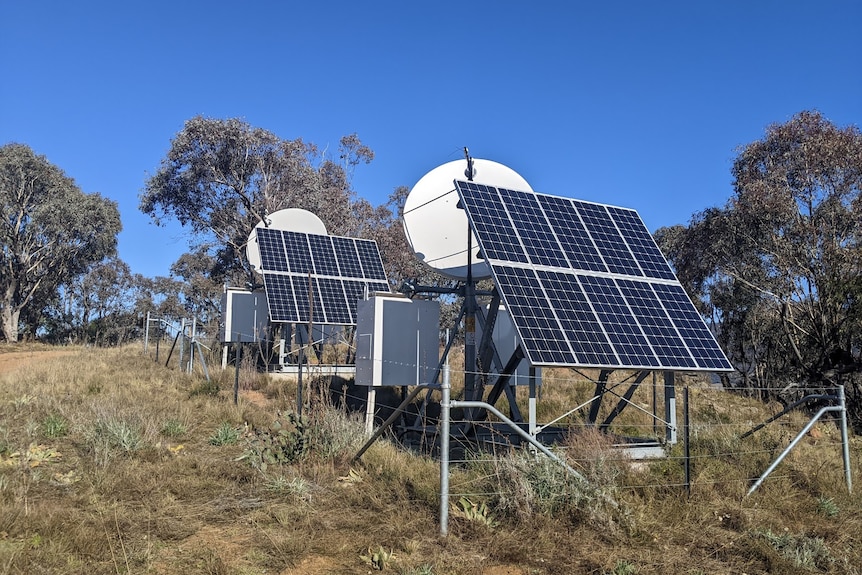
[719, 456]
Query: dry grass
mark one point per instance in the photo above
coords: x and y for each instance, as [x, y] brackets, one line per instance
[108, 465]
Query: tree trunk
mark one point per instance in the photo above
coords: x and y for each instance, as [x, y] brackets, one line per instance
[10, 323]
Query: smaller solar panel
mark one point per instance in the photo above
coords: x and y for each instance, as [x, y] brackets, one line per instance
[318, 278]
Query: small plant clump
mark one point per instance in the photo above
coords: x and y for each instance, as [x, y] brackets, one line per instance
[294, 486]
[827, 507]
[476, 512]
[116, 434]
[524, 484]
[173, 428]
[54, 426]
[378, 559]
[208, 388]
[284, 441]
[623, 567]
[226, 434]
[801, 550]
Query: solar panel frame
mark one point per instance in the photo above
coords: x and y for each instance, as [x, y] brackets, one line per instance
[586, 284]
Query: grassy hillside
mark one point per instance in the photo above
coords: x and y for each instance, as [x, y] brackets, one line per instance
[110, 463]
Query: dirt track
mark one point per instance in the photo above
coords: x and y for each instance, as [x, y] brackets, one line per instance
[15, 359]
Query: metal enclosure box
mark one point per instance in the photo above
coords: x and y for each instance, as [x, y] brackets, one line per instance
[505, 339]
[244, 315]
[397, 340]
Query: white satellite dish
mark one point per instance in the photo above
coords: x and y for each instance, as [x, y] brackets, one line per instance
[437, 229]
[290, 219]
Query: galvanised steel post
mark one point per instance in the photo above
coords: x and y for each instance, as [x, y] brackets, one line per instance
[845, 442]
[445, 388]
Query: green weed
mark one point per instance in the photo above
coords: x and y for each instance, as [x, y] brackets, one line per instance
[827, 507]
[623, 567]
[378, 559]
[208, 388]
[173, 428]
[801, 550]
[55, 425]
[226, 434]
[284, 441]
[476, 512]
[116, 434]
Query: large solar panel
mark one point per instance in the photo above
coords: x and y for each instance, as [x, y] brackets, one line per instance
[586, 284]
[317, 277]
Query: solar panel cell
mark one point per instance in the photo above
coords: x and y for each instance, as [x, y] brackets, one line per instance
[271, 250]
[533, 316]
[323, 255]
[539, 241]
[279, 295]
[607, 239]
[580, 325]
[691, 327]
[656, 325]
[369, 258]
[577, 244]
[334, 301]
[641, 244]
[622, 327]
[493, 223]
[348, 258]
[298, 252]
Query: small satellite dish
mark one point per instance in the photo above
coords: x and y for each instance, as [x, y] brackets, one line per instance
[290, 219]
[437, 228]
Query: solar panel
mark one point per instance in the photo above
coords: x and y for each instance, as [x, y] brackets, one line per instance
[586, 284]
[317, 277]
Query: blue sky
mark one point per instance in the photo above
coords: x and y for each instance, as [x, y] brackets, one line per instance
[632, 103]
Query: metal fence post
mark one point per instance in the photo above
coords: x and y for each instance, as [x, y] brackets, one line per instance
[845, 442]
[685, 439]
[670, 408]
[445, 389]
[147, 334]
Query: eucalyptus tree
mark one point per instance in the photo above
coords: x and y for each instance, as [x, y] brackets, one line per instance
[221, 177]
[96, 307]
[779, 267]
[50, 232]
[200, 294]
